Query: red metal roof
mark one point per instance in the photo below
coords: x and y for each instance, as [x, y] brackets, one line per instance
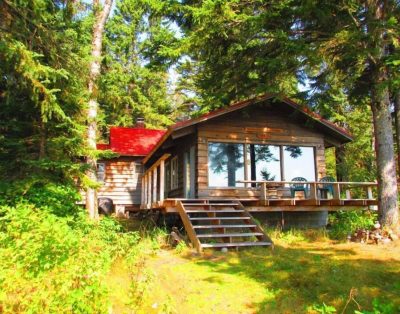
[132, 141]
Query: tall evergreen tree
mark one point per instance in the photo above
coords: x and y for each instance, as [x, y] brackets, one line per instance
[247, 47]
[41, 89]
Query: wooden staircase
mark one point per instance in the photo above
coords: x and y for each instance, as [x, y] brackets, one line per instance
[220, 224]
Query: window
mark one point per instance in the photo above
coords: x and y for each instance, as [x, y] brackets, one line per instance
[225, 164]
[264, 162]
[174, 173]
[299, 162]
[101, 172]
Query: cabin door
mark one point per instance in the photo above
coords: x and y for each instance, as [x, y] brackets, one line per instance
[189, 172]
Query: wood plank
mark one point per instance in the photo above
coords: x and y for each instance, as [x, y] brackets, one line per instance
[154, 197]
[234, 235]
[188, 227]
[233, 244]
[222, 226]
[162, 179]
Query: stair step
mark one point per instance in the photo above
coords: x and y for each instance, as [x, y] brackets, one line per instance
[223, 226]
[220, 218]
[210, 204]
[228, 235]
[221, 245]
[214, 211]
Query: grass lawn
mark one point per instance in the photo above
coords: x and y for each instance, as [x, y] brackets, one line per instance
[298, 276]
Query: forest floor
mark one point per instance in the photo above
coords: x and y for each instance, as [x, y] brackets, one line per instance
[299, 276]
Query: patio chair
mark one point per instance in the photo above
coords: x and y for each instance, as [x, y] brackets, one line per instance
[301, 186]
[326, 189]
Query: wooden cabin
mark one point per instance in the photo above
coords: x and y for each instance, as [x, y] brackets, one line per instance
[239, 159]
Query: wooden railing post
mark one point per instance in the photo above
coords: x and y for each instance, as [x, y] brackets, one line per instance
[313, 191]
[336, 191]
[263, 193]
[162, 172]
[348, 194]
[154, 185]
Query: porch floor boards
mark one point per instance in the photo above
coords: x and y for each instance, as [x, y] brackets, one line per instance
[169, 205]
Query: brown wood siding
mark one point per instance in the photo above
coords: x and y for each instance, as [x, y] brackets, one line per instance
[260, 126]
[122, 183]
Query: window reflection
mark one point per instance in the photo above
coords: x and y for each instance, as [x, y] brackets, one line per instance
[225, 164]
[265, 164]
[299, 162]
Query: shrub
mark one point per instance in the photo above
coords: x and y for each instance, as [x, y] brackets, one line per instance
[342, 223]
[53, 259]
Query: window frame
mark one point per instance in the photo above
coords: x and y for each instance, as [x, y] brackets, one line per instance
[247, 160]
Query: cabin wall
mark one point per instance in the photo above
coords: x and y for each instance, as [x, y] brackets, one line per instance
[176, 148]
[258, 126]
[122, 182]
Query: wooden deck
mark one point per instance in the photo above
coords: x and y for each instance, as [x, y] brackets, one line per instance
[169, 205]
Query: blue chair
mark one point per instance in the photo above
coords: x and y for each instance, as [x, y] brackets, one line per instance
[326, 189]
[301, 186]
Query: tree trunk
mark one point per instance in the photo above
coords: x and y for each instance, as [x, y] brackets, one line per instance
[386, 164]
[101, 15]
[397, 127]
[339, 158]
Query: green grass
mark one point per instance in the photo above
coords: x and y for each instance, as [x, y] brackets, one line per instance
[302, 274]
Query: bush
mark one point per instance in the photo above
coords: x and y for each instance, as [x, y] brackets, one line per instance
[342, 223]
[53, 259]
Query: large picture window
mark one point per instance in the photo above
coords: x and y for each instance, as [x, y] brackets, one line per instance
[264, 162]
[299, 162]
[225, 164]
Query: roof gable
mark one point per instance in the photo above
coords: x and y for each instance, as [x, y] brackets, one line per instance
[343, 135]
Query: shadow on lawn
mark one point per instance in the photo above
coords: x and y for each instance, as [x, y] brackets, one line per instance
[299, 278]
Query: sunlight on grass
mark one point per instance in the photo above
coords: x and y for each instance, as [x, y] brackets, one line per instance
[299, 276]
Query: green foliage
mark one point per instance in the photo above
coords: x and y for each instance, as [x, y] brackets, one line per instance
[54, 260]
[380, 307]
[138, 47]
[343, 223]
[324, 309]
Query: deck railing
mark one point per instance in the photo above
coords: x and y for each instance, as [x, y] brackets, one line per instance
[152, 186]
[313, 187]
